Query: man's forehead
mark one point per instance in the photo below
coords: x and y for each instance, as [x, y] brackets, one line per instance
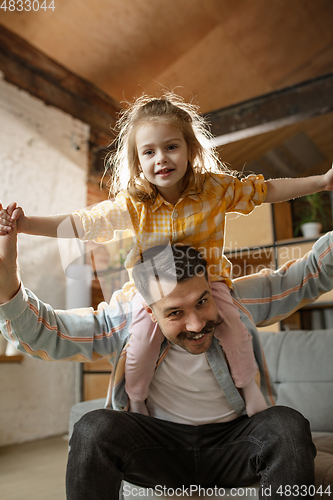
[161, 272]
[175, 296]
[159, 289]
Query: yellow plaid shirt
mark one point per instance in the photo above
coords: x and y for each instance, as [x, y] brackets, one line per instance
[197, 220]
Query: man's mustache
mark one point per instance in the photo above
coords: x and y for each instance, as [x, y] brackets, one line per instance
[208, 328]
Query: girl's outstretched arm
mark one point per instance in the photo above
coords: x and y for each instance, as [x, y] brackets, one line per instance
[14, 216]
[286, 189]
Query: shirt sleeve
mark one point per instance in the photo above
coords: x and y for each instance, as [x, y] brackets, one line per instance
[77, 335]
[100, 221]
[271, 296]
[243, 195]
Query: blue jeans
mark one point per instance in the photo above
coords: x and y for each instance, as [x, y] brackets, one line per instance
[274, 447]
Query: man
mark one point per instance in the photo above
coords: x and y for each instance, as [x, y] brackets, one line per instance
[201, 434]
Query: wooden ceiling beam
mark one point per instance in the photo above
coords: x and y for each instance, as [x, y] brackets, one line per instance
[272, 111]
[26, 67]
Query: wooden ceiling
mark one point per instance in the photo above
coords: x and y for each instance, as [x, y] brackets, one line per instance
[217, 52]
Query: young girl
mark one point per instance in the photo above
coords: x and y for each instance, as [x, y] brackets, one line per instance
[172, 188]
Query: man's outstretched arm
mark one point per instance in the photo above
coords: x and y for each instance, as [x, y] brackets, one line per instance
[39, 330]
[271, 297]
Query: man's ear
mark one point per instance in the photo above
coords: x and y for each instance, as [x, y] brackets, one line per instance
[150, 312]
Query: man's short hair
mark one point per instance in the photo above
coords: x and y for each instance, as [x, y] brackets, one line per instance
[166, 265]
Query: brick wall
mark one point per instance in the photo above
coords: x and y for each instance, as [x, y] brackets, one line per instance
[43, 163]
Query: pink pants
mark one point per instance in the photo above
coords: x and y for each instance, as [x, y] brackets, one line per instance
[146, 340]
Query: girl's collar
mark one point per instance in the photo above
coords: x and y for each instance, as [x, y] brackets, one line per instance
[160, 200]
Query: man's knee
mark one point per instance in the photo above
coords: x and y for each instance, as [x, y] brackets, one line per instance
[94, 425]
[289, 425]
[287, 419]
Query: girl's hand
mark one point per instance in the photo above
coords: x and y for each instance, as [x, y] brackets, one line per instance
[11, 216]
[328, 180]
[6, 223]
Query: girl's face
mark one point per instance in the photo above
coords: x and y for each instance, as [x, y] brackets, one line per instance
[163, 156]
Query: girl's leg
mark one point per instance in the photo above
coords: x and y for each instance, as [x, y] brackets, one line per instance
[142, 355]
[237, 345]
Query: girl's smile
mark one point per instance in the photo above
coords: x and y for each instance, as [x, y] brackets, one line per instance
[165, 172]
[163, 157]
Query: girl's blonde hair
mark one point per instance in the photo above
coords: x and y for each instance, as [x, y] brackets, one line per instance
[124, 165]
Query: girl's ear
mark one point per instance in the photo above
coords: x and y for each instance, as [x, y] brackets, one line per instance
[150, 312]
[189, 154]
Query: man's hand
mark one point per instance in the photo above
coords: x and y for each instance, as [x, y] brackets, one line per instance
[9, 279]
[11, 217]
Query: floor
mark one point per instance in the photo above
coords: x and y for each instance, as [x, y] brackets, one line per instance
[34, 471]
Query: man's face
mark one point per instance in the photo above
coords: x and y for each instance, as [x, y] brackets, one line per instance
[185, 315]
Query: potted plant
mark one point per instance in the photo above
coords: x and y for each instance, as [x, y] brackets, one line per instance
[313, 216]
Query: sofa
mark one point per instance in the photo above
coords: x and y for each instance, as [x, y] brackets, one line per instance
[301, 367]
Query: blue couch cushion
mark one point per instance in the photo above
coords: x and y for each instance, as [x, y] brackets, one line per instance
[301, 367]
